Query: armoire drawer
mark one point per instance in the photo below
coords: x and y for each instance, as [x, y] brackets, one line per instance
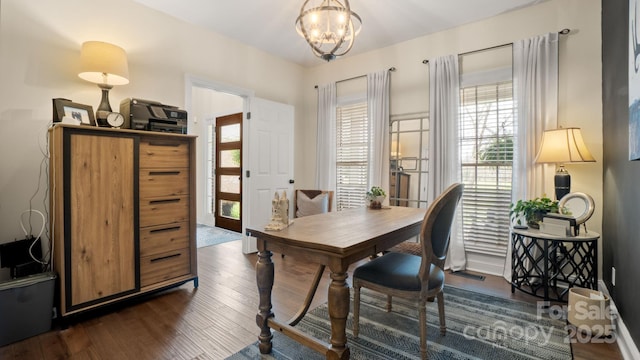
[162, 238]
[167, 210]
[166, 153]
[165, 266]
[164, 182]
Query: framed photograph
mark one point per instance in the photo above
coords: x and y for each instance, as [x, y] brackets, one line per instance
[66, 111]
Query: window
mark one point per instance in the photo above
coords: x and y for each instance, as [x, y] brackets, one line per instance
[352, 155]
[408, 160]
[486, 131]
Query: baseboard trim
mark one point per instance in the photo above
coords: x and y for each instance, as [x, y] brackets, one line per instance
[625, 343]
[486, 264]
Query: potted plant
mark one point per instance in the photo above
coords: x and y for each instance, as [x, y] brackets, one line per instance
[533, 210]
[376, 196]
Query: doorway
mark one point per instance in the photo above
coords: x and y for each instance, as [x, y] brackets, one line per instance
[266, 154]
[228, 172]
[206, 101]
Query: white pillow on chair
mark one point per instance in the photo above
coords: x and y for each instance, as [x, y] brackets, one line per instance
[306, 206]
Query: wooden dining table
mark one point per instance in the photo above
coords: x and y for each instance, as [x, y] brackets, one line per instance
[333, 239]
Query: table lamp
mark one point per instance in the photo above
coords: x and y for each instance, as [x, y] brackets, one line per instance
[106, 65]
[560, 146]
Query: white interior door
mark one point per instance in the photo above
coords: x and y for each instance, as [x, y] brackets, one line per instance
[268, 159]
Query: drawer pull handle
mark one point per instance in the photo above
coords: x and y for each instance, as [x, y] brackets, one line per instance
[173, 228]
[167, 201]
[165, 257]
[163, 143]
[164, 172]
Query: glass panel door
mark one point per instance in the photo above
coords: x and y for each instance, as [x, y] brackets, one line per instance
[229, 172]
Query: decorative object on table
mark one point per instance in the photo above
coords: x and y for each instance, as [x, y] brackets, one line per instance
[376, 197]
[560, 146]
[106, 65]
[558, 224]
[68, 112]
[115, 120]
[328, 26]
[533, 210]
[279, 212]
[581, 206]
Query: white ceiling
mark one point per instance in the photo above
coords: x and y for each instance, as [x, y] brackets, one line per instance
[270, 25]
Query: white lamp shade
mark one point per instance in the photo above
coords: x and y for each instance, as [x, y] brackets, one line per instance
[103, 63]
[564, 145]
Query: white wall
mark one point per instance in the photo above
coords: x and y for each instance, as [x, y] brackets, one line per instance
[580, 93]
[39, 60]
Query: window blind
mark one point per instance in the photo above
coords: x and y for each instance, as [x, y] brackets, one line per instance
[352, 155]
[486, 140]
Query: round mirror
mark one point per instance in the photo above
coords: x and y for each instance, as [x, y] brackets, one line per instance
[579, 204]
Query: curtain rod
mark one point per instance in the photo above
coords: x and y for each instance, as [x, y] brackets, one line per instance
[561, 32]
[357, 77]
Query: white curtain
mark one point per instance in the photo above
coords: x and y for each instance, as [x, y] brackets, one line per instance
[444, 152]
[326, 138]
[535, 78]
[378, 112]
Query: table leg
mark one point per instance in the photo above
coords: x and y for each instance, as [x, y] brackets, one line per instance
[338, 303]
[264, 277]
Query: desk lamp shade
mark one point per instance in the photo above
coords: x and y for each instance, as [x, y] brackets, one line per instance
[106, 65]
[560, 146]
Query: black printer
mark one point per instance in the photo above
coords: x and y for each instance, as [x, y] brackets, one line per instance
[153, 116]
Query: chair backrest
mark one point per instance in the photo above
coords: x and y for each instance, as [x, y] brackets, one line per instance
[310, 202]
[436, 228]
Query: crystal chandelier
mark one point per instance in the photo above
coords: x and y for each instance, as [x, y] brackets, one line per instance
[329, 26]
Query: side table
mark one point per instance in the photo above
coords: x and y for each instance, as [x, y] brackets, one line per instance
[547, 266]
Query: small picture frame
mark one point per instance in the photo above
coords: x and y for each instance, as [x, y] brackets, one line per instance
[64, 110]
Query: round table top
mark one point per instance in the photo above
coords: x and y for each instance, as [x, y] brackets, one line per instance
[535, 233]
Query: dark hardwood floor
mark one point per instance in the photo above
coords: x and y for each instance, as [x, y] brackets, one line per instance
[217, 319]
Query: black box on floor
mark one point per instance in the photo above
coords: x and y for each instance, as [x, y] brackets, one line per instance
[15, 255]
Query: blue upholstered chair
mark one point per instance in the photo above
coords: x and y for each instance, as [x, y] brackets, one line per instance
[410, 276]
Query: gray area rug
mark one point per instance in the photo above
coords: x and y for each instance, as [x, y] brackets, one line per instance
[478, 327]
[209, 235]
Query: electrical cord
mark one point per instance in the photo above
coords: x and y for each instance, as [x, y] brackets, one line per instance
[29, 235]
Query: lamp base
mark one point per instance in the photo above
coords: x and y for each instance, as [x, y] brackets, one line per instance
[104, 108]
[562, 182]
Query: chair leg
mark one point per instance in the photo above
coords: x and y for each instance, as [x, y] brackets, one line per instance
[423, 329]
[388, 303]
[443, 326]
[356, 308]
